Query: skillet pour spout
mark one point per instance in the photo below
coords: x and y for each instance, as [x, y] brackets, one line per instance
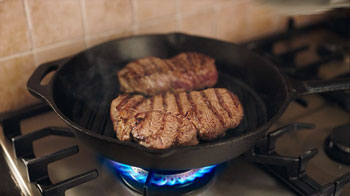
[83, 87]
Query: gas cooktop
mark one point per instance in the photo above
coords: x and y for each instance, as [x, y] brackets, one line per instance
[306, 152]
[46, 158]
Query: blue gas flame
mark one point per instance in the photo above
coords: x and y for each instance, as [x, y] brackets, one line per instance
[140, 175]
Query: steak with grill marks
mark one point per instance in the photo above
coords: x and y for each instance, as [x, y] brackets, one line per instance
[180, 118]
[184, 72]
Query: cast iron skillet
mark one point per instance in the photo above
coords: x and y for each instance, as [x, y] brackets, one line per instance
[82, 88]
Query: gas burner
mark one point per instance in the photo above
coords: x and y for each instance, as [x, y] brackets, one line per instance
[337, 145]
[163, 182]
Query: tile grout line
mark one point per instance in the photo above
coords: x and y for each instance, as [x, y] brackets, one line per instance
[31, 33]
[105, 34]
[217, 8]
[197, 11]
[55, 45]
[17, 55]
[58, 44]
[178, 16]
[135, 25]
[158, 20]
[84, 22]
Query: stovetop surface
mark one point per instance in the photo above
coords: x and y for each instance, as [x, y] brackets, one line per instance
[236, 177]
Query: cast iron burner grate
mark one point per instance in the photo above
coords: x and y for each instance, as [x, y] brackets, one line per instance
[151, 182]
[292, 170]
[326, 52]
[37, 167]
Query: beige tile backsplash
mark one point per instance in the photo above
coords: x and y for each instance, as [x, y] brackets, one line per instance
[14, 74]
[14, 34]
[235, 14]
[92, 41]
[36, 31]
[107, 15]
[153, 9]
[195, 5]
[54, 21]
[200, 23]
[163, 25]
[66, 49]
[265, 21]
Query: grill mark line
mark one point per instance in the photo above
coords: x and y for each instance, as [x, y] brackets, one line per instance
[126, 78]
[193, 106]
[131, 105]
[198, 62]
[196, 57]
[202, 78]
[169, 64]
[234, 99]
[133, 75]
[165, 105]
[144, 68]
[150, 66]
[189, 59]
[147, 113]
[122, 103]
[189, 70]
[179, 120]
[137, 104]
[222, 103]
[211, 107]
[156, 65]
[201, 59]
[195, 78]
[178, 63]
[178, 104]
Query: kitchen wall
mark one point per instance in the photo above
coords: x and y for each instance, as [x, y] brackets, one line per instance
[37, 31]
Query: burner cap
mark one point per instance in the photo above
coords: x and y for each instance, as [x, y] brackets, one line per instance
[163, 182]
[337, 145]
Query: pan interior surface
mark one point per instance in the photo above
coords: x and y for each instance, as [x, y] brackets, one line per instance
[85, 87]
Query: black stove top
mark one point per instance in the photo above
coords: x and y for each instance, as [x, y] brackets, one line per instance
[337, 144]
[331, 45]
[290, 170]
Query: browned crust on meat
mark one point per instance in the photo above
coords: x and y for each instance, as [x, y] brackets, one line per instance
[137, 104]
[175, 118]
[164, 109]
[184, 72]
[222, 103]
[211, 107]
[169, 65]
[148, 112]
[179, 106]
[193, 106]
[235, 100]
[122, 103]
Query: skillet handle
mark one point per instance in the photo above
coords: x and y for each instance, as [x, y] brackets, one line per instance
[319, 86]
[33, 84]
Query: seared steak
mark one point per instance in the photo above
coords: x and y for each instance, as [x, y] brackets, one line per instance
[179, 118]
[184, 72]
